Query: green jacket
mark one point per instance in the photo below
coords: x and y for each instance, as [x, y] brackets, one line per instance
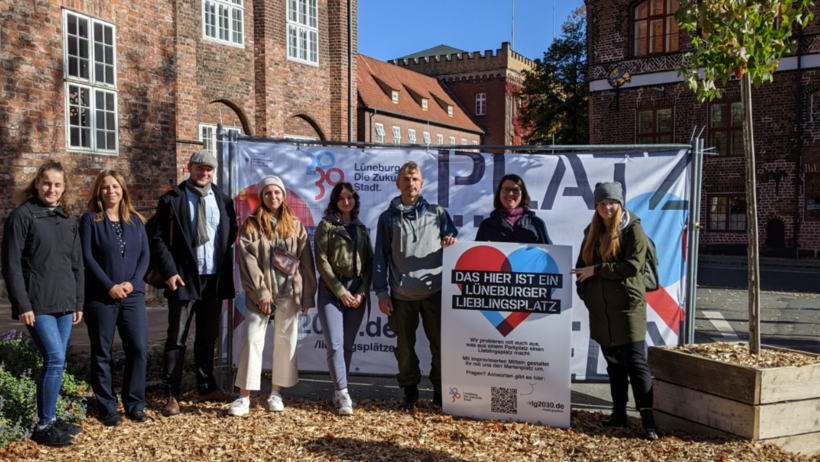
[333, 247]
[616, 295]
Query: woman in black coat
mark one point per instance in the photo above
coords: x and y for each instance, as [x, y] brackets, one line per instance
[512, 220]
[43, 270]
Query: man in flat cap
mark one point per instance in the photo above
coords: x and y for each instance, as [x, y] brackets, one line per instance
[191, 241]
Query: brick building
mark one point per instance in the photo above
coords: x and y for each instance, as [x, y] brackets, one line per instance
[642, 38]
[484, 84]
[138, 86]
[397, 106]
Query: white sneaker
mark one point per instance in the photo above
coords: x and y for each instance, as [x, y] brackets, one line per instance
[345, 405]
[240, 407]
[336, 400]
[275, 403]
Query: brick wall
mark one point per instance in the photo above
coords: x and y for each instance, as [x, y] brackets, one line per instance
[780, 157]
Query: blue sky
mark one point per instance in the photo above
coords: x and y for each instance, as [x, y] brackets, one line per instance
[393, 28]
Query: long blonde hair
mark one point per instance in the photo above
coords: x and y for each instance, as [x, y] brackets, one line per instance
[95, 203]
[607, 241]
[285, 222]
[67, 200]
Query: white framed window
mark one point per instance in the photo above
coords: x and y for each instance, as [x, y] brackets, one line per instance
[207, 134]
[480, 103]
[379, 133]
[463, 141]
[303, 31]
[394, 96]
[450, 110]
[452, 140]
[224, 21]
[424, 104]
[396, 134]
[475, 143]
[411, 136]
[440, 139]
[426, 136]
[90, 74]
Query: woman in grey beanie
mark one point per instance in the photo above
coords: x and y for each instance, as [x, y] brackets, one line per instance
[271, 292]
[611, 285]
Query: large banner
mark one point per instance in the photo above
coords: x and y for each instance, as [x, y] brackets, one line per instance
[656, 188]
[507, 311]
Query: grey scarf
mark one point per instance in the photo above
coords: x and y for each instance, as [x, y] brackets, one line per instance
[201, 220]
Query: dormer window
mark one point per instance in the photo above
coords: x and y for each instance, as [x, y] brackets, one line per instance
[394, 96]
[424, 104]
[450, 110]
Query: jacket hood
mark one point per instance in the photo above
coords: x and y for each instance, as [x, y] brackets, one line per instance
[409, 212]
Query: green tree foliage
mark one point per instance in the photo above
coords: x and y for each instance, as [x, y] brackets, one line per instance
[733, 38]
[555, 93]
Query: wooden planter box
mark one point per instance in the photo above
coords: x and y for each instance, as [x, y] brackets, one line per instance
[779, 405]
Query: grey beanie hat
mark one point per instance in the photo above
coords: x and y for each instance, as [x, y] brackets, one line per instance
[271, 180]
[612, 191]
[203, 157]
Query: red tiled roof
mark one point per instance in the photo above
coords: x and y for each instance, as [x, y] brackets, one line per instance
[412, 86]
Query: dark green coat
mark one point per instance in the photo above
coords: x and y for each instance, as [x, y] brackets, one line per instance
[616, 295]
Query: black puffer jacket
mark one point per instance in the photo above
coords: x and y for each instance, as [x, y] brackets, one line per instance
[529, 229]
[42, 260]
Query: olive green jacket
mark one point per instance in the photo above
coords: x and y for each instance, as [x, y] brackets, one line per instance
[256, 266]
[616, 295]
[335, 255]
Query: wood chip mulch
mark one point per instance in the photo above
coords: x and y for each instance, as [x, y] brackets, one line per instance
[738, 353]
[308, 430]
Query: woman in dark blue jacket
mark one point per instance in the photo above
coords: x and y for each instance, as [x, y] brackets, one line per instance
[43, 270]
[512, 220]
[116, 255]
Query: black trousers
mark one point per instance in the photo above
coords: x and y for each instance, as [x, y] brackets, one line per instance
[130, 318]
[404, 322]
[180, 314]
[625, 363]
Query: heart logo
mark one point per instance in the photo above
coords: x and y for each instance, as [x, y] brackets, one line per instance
[523, 260]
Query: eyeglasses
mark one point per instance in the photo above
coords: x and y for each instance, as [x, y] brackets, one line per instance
[513, 191]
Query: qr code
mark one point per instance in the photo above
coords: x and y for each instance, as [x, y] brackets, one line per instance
[504, 400]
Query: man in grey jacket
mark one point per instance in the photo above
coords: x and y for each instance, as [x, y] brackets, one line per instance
[410, 239]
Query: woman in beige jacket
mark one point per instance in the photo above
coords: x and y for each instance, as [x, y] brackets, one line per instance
[268, 292]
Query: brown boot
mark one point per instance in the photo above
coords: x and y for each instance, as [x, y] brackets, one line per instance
[171, 407]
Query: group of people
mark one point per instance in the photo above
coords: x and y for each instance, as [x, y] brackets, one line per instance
[57, 268]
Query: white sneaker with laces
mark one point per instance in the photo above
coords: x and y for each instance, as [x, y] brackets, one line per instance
[336, 400]
[240, 407]
[275, 403]
[345, 404]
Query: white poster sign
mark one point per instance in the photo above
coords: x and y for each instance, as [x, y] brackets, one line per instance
[656, 188]
[506, 326]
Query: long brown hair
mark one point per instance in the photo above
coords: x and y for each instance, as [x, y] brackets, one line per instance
[525, 195]
[333, 204]
[285, 221]
[95, 203]
[67, 200]
[607, 241]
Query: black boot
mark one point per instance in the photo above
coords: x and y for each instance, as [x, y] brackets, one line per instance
[618, 417]
[411, 397]
[650, 432]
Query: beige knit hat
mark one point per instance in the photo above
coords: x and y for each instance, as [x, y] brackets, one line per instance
[271, 180]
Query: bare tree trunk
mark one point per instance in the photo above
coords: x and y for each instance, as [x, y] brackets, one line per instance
[751, 216]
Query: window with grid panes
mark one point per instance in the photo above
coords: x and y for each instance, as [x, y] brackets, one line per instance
[224, 21]
[207, 134]
[726, 128]
[396, 135]
[303, 31]
[426, 136]
[379, 133]
[90, 77]
[727, 213]
[452, 140]
[480, 104]
[411, 136]
[440, 139]
[655, 29]
[654, 126]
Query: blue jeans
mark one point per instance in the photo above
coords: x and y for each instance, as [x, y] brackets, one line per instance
[340, 325]
[50, 334]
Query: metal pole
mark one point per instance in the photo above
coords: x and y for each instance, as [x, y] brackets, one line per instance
[692, 241]
[512, 45]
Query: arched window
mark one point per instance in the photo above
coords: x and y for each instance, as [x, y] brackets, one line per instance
[655, 28]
